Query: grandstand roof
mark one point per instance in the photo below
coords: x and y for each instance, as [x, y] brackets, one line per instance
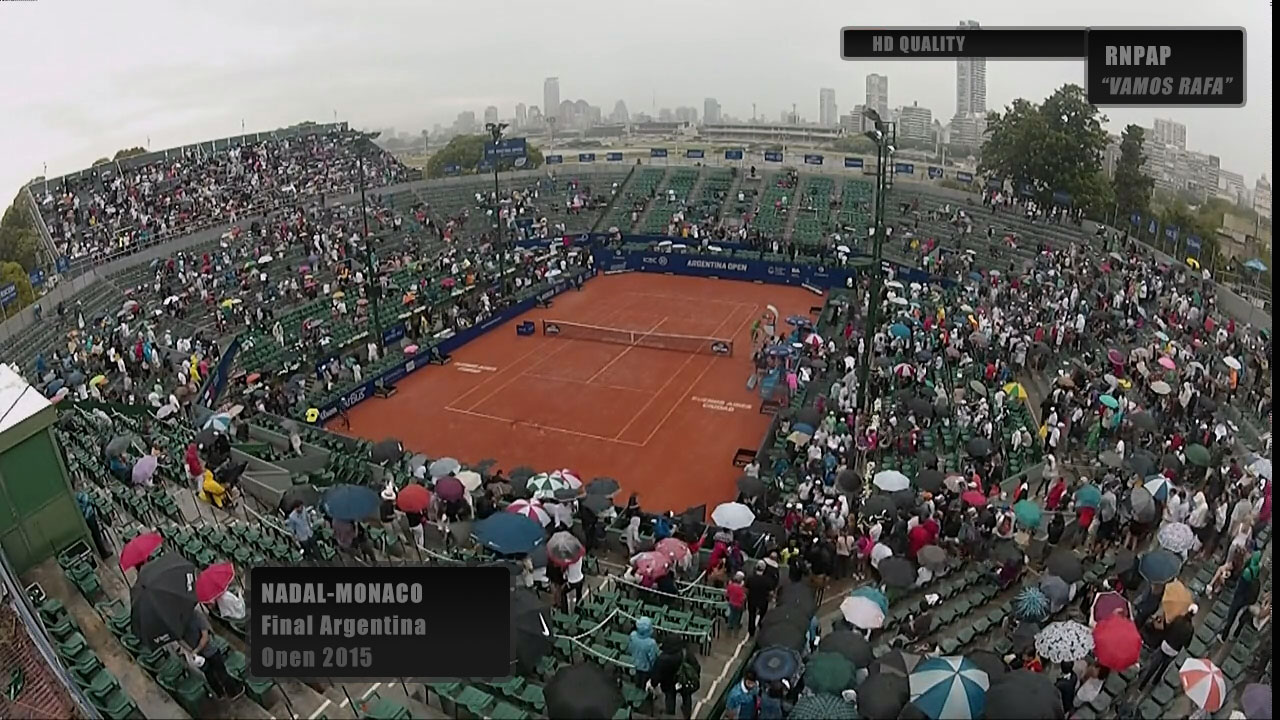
[18, 400]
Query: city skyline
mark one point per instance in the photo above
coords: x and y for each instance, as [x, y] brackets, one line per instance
[106, 95]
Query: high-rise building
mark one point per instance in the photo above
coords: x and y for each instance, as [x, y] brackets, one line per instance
[915, 122]
[1262, 197]
[971, 81]
[710, 111]
[687, 115]
[490, 114]
[465, 123]
[535, 116]
[551, 96]
[853, 123]
[878, 95]
[828, 115]
[620, 114]
[1231, 186]
[522, 115]
[665, 115]
[1169, 132]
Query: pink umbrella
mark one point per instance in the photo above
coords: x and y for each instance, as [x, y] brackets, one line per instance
[974, 498]
[531, 509]
[411, 350]
[1166, 362]
[1115, 357]
[1109, 604]
[448, 282]
[651, 565]
[674, 548]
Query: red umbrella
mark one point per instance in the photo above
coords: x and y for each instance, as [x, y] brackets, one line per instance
[974, 498]
[414, 498]
[1116, 643]
[138, 550]
[213, 581]
[1115, 357]
[652, 564]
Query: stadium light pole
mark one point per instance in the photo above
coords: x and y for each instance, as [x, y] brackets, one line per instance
[375, 290]
[883, 137]
[495, 131]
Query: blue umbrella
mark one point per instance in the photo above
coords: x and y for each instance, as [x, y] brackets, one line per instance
[1158, 486]
[779, 350]
[350, 502]
[873, 594]
[1031, 604]
[1256, 265]
[777, 663]
[949, 687]
[1088, 496]
[799, 321]
[509, 533]
[899, 330]
[805, 428]
[53, 387]
[1159, 566]
[975, 276]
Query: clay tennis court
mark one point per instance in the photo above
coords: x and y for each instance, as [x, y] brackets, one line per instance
[664, 422]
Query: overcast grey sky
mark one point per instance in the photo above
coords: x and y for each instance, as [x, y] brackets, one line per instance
[84, 78]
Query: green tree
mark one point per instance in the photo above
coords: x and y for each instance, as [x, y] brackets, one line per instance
[467, 151]
[101, 161]
[19, 238]
[854, 145]
[12, 272]
[128, 153]
[1132, 186]
[1054, 146]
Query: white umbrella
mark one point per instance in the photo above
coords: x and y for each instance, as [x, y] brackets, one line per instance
[899, 300]
[569, 477]
[531, 509]
[862, 612]
[894, 284]
[1064, 642]
[891, 481]
[470, 480]
[1177, 537]
[444, 466]
[843, 248]
[813, 339]
[1231, 362]
[1161, 387]
[1203, 683]
[1261, 467]
[265, 259]
[732, 516]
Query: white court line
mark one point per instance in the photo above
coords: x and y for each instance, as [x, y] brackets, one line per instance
[552, 378]
[724, 671]
[548, 428]
[513, 364]
[693, 384]
[345, 702]
[682, 298]
[628, 349]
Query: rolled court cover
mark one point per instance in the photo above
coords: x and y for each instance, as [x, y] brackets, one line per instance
[700, 345]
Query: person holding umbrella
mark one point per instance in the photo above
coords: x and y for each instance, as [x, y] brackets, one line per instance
[198, 639]
[679, 674]
[1246, 593]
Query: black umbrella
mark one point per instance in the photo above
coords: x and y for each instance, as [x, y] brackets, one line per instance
[1206, 404]
[750, 486]
[793, 615]
[782, 635]
[927, 459]
[1065, 565]
[582, 692]
[809, 416]
[897, 572]
[849, 481]
[1024, 695]
[307, 494]
[605, 486]
[988, 662]
[895, 662]
[903, 498]
[1144, 421]
[387, 451]
[1024, 635]
[978, 447]
[1171, 462]
[798, 595]
[521, 474]
[119, 444]
[529, 623]
[879, 504]
[694, 515]
[1142, 463]
[851, 645]
[596, 503]
[929, 480]
[163, 599]
[1125, 562]
[205, 437]
[920, 407]
[882, 696]
[1004, 551]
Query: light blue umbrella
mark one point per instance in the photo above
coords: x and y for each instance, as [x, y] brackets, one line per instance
[1031, 604]
[1088, 496]
[220, 422]
[1256, 265]
[1159, 487]
[949, 688]
[873, 594]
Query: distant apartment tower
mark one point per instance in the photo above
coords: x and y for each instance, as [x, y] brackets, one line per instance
[535, 116]
[1262, 197]
[551, 96]
[710, 111]
[915, 123]
[878, 95]
[522, 115]
[1231, 186]
[687, 115]
[465, 123]
[854, 123]
[971, 81]
[490, 114]
[828, 116]
[1170, 132]
[620, 114]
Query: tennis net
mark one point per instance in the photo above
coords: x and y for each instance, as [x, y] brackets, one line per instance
[639, 338]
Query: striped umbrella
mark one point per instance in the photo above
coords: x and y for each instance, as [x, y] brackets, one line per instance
[1159, 487]
[949, 687]
[544, 486]
[531, 509]
[823, 707]
[1203, 682]
[569, 476]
